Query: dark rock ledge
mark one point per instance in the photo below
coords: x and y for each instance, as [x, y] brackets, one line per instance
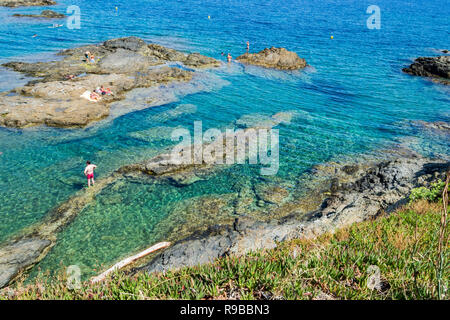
[436, 68]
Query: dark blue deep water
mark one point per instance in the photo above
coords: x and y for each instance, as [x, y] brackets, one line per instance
[352, 100]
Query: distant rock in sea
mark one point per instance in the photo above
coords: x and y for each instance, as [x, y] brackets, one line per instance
[276, 58]
[26, 3]
[437, 68]
[49, 14]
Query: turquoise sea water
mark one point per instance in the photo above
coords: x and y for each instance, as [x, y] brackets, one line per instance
[353, 99]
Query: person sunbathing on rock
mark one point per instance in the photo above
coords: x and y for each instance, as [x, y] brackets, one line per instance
[98, 90]
[105, 91]
[95, 96]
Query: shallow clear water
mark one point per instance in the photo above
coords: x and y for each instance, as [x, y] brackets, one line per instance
[353, 99]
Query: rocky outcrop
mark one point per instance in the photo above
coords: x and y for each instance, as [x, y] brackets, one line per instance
[48, 14]
[55, 98]
[361, 194]
[26, 3]
[437, 68]
[276, 58]
[18, 256]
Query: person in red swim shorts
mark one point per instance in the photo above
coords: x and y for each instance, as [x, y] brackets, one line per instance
[89, 172]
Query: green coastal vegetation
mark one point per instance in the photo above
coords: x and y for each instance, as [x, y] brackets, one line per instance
[395, 256]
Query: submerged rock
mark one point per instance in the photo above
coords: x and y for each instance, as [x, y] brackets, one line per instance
[258, 120]
[440, 126]
[273, 194]
[49, 14]
[61, 95]
[277, 58]
[26, 3]
[437, 68]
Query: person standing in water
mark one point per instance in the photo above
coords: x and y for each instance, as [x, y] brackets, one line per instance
[89, 172]
[248, 46]
[229, 57]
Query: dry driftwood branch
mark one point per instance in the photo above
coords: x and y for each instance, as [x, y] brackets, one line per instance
[129, 260]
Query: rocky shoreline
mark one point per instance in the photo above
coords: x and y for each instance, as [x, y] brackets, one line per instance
[26, 3]
[61, 96]
[435, 68]
[357, 194]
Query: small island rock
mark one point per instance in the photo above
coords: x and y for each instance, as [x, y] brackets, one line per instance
[276, 58]
[49, 14]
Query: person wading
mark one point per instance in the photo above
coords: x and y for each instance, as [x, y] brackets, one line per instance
[89, 172]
